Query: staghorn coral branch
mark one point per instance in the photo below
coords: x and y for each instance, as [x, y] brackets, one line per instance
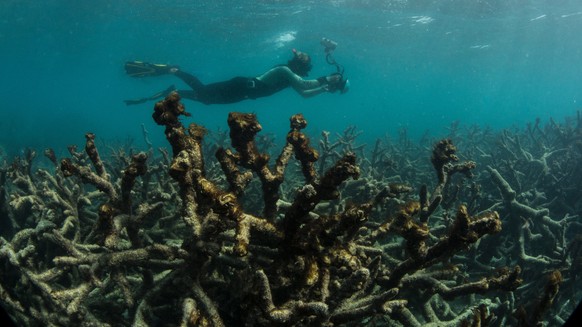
[50, 154]
[190, 313]
[238, 181]
[465, 231]
[144, 308]
[428, 208]
[310, 195]
[540, 259]
[303, 152]
[137, 168]
[93, 154]
[243, 129]
[470, 316]
[207, 305]
[354, 310]
[198, 193]
[187, 163]
[442, 159]
[534, 314]
[506, 279]
[289, 312]
[327, 150]
[550, 292]
[226, 204]
[104, 185]
[510, 199]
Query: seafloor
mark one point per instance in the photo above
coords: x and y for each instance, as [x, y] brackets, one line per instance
[479, 228]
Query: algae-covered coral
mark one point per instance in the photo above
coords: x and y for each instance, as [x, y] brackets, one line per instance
[210, 235]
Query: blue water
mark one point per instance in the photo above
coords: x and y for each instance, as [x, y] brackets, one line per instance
[420, 65]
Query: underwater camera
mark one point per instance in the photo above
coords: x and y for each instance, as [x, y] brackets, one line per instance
[344, 84]
[328, 44]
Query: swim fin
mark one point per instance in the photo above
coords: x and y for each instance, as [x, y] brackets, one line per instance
[144, 69]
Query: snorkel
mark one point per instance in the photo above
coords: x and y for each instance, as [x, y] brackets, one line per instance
[329, 47]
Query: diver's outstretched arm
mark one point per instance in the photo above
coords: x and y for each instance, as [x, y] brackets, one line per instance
[305, 87]
[313, 92]
[273, 76]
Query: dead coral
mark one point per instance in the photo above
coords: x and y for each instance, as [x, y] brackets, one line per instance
[95, 250]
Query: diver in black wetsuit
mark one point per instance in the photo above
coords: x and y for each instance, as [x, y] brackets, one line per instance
[242, 88]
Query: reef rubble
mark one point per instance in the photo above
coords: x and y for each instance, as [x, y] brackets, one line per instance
[216, 235]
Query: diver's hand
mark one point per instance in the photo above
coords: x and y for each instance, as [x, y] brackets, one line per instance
[329, 79]
[331, 83]
[335, 82]
[334, 78]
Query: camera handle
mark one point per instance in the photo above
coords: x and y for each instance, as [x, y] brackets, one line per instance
[329, 46]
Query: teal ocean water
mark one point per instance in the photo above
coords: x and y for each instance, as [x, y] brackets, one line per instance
[419, 65]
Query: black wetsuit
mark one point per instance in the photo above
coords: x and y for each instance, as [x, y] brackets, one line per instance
[233, 90]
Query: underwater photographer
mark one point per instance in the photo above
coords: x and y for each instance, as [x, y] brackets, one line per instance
[241, 88]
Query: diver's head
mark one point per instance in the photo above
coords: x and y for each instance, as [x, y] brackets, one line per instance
[300, 64]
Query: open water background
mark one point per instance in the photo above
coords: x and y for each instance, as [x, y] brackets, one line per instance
[419, 65]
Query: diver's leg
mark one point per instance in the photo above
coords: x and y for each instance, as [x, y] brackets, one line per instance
[155, 96]
[191, 80]
[231, 91]
[188, 94]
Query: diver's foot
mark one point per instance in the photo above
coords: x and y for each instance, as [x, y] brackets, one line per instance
[161, 69]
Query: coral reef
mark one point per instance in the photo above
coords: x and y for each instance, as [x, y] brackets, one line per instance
[402, 237]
